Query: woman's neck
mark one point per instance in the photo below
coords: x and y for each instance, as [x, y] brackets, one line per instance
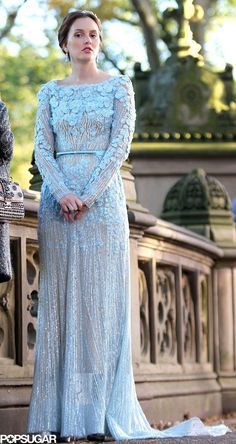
[82, 72]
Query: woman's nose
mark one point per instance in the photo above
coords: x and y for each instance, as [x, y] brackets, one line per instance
[87, 38]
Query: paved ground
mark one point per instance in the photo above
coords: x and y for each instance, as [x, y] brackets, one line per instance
[229, 438]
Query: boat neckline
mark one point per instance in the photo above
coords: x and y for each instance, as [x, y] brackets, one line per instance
[84, 84]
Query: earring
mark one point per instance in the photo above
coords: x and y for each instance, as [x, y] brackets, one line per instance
[97, 58]
[67, 57]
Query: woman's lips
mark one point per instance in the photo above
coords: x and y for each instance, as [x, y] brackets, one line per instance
[87, 50]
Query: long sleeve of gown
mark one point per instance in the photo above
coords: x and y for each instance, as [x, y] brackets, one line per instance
[44, 148]
[119, 146]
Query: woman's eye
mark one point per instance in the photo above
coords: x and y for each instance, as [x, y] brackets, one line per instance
[80, 35]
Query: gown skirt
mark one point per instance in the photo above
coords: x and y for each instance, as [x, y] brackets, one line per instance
[83, 376]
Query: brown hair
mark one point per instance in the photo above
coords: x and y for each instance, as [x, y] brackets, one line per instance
[68, 22]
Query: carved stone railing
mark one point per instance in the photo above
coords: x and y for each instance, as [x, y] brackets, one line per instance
[18, 311]
[173, 335]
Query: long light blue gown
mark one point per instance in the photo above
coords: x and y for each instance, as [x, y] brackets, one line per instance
[83, 378]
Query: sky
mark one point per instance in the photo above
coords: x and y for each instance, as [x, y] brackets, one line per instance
[31, 22]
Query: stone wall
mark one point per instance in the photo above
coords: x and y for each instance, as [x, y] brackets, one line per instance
[173, 324]
[157, 166]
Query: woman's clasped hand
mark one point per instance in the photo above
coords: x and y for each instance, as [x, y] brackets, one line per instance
[72, 208]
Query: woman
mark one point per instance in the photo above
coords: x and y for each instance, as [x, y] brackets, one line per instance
[83, 380]
[6, 151]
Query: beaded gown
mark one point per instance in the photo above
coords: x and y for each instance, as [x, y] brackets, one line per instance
[83, 377]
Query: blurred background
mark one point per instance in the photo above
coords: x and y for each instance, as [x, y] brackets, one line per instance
[133, 31]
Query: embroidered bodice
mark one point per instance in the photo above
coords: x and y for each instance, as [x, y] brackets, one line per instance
[98, 118]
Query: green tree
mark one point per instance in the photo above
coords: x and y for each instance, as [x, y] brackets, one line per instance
[20, 78]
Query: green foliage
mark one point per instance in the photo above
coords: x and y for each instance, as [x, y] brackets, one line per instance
[20, 77]
[106, 10]
[21, 162]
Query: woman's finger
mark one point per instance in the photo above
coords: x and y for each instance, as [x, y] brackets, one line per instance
[71, 217]
[71, 206]
[75, 205]
[65, 213]
[80, 213]
[64, 208]
[78, 203]
[66, 216]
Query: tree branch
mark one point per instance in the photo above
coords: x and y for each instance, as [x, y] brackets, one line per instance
[149, 24]
[11, 18]
[111, 60]
[130, 22]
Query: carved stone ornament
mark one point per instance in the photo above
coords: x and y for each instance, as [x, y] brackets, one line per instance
[201, 203]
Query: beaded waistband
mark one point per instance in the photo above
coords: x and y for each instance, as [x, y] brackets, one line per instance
[96, 152]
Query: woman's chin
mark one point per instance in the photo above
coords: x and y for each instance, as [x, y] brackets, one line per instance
[85, 58]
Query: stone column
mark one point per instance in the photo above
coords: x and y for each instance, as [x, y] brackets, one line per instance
[225, 307]
[226, 294]
[135, 235]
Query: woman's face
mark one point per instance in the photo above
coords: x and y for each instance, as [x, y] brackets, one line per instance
[83, 40]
